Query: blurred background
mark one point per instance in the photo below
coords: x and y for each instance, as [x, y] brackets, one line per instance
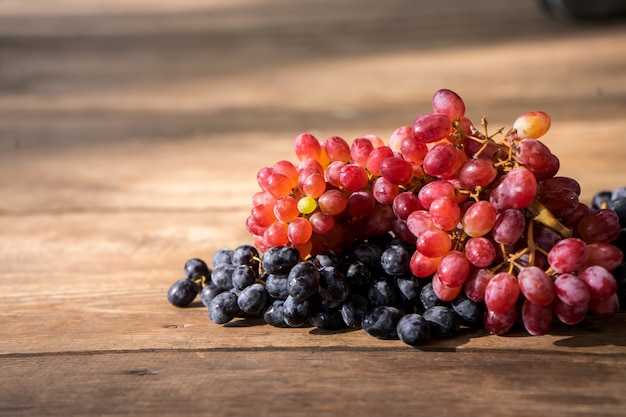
[133, 81]
[77, 71]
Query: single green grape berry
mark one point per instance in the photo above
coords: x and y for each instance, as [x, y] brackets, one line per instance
[307, 205]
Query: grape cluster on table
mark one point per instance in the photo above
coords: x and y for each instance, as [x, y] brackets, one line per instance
[447, 225]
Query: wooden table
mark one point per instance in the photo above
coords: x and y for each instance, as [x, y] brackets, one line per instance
[130, 137]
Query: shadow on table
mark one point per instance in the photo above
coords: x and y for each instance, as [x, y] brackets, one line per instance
[592, 332]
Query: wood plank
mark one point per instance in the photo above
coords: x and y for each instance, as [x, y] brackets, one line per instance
[314, 381]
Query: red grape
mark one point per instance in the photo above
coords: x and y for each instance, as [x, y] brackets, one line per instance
[537, 319]
[396, 170]
[431, 127]
[569, 314]
[422, 266]
[561, 202]
[434, 243]
[500, 323]
[332, 202]
[478, 172]
[376, 157]
[440, 159]
[333, 171]
[448, 102]
[479, 219]
[276, 234]
[502, 292]
[360, 151]
[480, 251]
[299, 231]
[337, 149]
[604, 307]
[538, 158]
[443, 291]
[314, 185]
[404, 204]
[445, 213]
[396, 138]
[384, 191]
[287, 169]
[559, 183]
[353, 177]
[360, 203]
[571, 290]
[600, 226]
[605, 255]
[286, 209]
[509, 226]
[519, 187]
[568, 255]
[433, 190]
[307, 146]
[321, 223]
[476, 284]
[536, 285]
[599, 280]
[412, 150]
[419, 221]
[453, 269]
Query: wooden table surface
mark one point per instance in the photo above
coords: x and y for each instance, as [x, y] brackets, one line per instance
[130, 137]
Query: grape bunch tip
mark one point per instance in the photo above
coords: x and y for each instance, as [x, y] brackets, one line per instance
[445, 225]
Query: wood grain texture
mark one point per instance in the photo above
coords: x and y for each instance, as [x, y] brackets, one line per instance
[130, 138]
[314, 381]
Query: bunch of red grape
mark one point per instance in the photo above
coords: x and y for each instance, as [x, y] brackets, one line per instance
[483, 213]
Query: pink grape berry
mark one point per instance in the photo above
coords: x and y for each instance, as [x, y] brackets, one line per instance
[432, 127]
[501, 292]
[568, 255]
[448, 102]
[307, 146]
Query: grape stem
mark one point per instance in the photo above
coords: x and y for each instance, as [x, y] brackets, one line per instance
[541, 214]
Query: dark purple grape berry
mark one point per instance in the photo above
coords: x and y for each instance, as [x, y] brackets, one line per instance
[280, 259]
[182, 292]
[442, 322]
[246, 255]
[333, 286]
[326, 318]
[296, 312]
[381, 293]
[222, 256]
[381, 322]
[276, 286]
[223, 307]
[273, 314]
[303, 280]
[353, 310]
[243, 276]
[253, 299]
[412, 329]
[395, 260]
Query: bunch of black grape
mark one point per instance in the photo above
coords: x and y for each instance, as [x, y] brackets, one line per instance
[369, 288]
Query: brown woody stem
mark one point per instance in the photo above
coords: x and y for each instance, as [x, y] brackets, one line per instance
[541, 214]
